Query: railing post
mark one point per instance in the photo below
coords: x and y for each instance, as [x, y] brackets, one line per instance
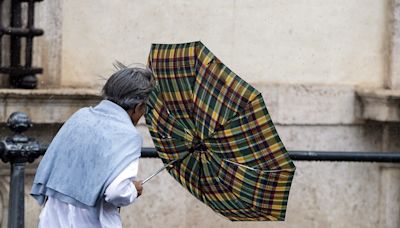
[16, 200]
[18, 150]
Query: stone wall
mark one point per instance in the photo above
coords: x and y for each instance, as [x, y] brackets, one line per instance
[313, 41]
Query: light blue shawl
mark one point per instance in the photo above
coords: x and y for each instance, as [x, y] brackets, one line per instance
[86, 155]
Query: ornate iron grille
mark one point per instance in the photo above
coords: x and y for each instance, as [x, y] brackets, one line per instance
[22, 74]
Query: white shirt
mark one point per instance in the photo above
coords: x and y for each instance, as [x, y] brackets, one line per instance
[121, 192]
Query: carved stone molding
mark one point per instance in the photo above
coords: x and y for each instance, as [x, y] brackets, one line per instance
[380, 104]
[46, 105]
[287, 104]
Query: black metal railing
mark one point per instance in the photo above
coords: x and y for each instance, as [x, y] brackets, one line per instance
[299, 155]
[350, 156]
[22, 75]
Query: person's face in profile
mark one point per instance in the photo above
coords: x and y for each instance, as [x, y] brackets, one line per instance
[137, 113]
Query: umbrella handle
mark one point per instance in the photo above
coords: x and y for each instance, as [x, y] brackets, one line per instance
[159, 171]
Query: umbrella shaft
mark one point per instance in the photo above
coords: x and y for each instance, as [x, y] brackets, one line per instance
[159, 171]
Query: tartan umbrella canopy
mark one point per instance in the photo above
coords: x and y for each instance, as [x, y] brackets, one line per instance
[216, 129]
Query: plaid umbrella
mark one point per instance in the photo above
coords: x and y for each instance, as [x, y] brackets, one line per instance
[216, 130]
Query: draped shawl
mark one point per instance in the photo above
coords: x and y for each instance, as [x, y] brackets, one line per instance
[86, 155]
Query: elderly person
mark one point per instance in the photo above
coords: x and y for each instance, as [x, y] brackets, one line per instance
[89, 170]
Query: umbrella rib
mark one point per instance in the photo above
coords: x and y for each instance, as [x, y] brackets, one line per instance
[257, 170]
[199, 180]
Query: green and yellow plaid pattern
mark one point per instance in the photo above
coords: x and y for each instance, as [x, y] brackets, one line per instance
[217, 128]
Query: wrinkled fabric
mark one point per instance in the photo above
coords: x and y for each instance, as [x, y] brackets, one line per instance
[86, 155]
[119, 193]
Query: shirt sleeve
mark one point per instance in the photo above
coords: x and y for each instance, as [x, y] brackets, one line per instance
[122, 192]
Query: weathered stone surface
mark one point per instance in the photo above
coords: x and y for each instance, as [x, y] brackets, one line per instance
[3, 116]
[47, 48]
[309, 41]
[46, 106]
[380, 104]
[310, 104]
[392, 141]
[390, 197]
[393, 81]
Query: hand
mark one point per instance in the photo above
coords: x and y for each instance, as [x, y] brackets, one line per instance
[139, 187]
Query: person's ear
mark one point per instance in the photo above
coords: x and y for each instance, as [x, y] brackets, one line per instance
[139, 107]
[130, 112]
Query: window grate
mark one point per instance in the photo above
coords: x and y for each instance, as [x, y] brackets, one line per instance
[22, 74]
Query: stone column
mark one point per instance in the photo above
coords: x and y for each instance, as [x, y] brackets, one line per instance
[393, 77]
[47, 50]
[390, 174]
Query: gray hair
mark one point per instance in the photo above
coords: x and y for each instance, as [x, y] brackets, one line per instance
[129, 87]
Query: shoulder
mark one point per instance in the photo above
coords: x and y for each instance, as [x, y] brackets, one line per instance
[132, 133]
[79, 114]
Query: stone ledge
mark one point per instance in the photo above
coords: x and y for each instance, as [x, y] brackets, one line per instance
[380, 104]
[49, 93]
[46, 106]
[288, 104]
[311, 104]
